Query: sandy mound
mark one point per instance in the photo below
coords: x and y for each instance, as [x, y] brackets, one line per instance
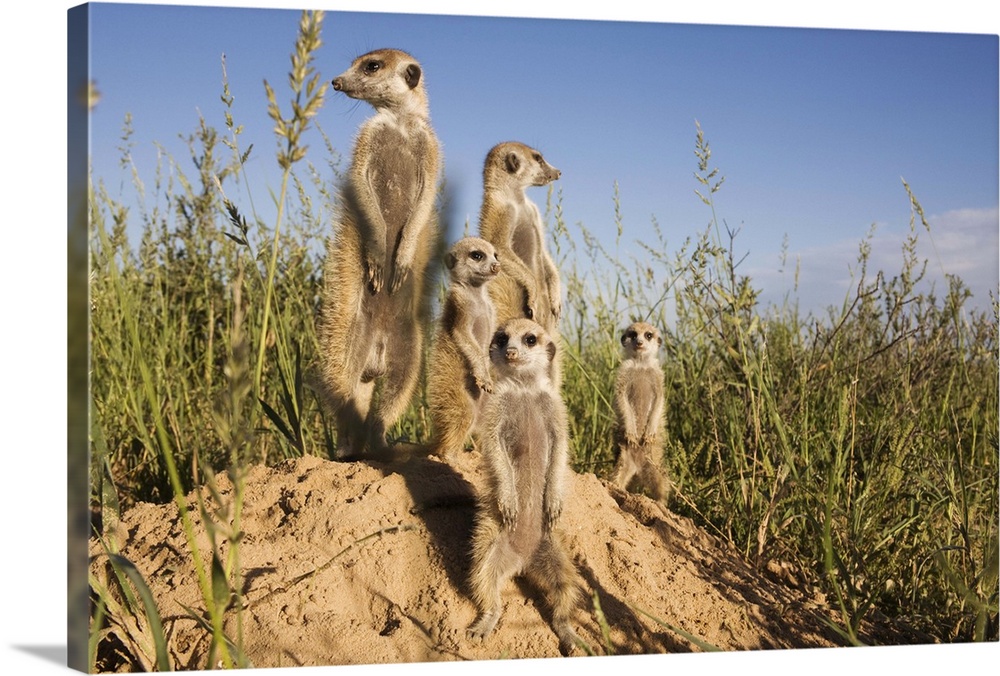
[400, 595]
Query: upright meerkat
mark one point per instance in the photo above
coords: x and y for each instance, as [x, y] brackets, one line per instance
[460, 372]
[524, 438]
[638, 403]
[529, 284]
[375, 293]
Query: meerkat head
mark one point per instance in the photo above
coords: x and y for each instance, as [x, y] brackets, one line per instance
[522, 350]
[388, 79]
[641, 341]
[473, 261]
[518, 165]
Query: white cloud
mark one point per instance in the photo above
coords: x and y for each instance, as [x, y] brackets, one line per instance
[964, 243]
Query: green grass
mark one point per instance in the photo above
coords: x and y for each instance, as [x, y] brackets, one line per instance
[859, 446]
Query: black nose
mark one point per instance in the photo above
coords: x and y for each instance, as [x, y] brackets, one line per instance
[338, 84]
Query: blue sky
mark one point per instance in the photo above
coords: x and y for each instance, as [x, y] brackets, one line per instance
[812, 128]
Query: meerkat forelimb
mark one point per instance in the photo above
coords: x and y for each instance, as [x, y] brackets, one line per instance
[638, 402]
[371, 323]
[524, 445]
[459, 367]
[529, 285]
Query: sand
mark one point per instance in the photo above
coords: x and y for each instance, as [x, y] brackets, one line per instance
[365, 563]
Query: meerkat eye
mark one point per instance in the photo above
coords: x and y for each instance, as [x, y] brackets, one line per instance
[538, 157]
[372, 66]
[500, 339]
[530, 340]
[477, 255]
[631, 335]
[649, 335]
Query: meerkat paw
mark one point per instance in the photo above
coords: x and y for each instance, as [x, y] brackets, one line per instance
[508, 514]
[399, 274]
[530, 304]
[484, 626]
[553, 509]
[373, 270]
[568, 639]
[484, 382]
[556, 305]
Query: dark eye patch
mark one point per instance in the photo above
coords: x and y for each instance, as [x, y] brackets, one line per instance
[372, 66]
[477, 255]
[500, 339]
[649, 335]
[530, 339]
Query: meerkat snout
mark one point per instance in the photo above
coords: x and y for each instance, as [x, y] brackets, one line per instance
[637, 336]
[521, 346]
[479, 256]
[385, 78]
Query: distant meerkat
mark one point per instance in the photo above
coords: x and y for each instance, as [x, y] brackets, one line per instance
[375, 293]
[523, 440]
[459, 370]
[638, 403]
[529, 284]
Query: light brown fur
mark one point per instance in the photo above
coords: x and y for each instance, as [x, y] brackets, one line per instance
[459, 370]
[529, 284]
[524, 437]
[375, 295]
[638, 402]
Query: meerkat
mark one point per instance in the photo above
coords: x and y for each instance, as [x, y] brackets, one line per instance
[529, 284]
[638, 403]
[524, 445]
[460, 366]
[376, 291]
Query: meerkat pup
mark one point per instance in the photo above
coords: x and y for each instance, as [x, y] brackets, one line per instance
[460, 366]
[524, 439]
[375, 294]
[638, 402]
[529, 284]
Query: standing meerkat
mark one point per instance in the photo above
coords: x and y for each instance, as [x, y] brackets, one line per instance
[460, 372]
[638, 403]
[524, 442]
[375, 293]
[529, 284]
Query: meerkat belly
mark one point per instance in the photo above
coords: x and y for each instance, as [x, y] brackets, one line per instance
[530, 455]
[482, 327]
[641, 393]
[395, 178]
[524, 240]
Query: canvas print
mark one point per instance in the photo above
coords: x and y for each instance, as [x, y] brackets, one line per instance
[409, 338]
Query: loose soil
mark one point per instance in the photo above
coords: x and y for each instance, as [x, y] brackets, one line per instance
[365, 562]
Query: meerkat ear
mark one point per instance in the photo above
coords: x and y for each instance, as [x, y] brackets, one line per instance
[512, 162]
[412, 75]
[450, 260]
